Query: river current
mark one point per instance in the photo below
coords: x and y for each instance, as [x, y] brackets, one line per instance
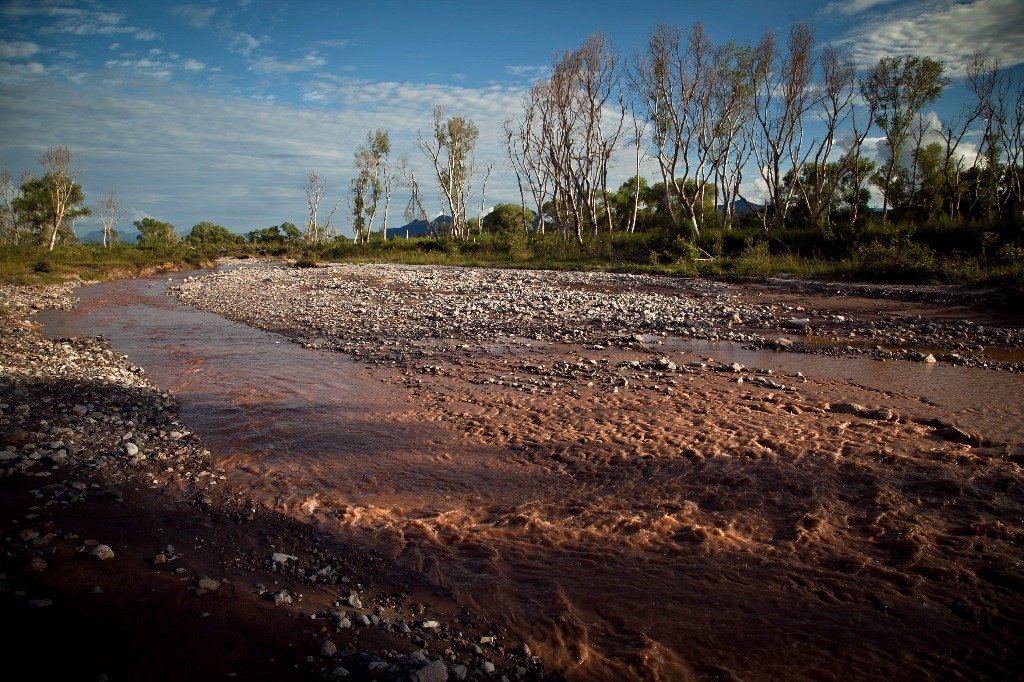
[746, 536]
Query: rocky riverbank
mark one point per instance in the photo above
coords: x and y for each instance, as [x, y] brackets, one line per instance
[374, 311]
[128, 556]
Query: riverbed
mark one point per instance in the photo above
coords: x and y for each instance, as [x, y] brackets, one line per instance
[591, 459]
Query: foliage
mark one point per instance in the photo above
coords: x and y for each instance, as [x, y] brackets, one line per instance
[153, 232]
[206, 235]
[36, 213]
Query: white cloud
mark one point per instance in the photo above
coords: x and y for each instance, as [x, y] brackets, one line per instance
[17, 49]
[184, 157]
[530, 72]
[273, 65]
[193, 65]
[11, 74]
[194, 15]
[945, 30]
[244, 44]
[852, 7]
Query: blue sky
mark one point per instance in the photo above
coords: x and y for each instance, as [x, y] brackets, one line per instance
[217, 110]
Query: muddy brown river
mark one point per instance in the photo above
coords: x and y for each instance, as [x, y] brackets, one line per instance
[719, 530]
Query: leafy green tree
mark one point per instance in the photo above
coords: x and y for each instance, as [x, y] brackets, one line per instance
[291, 232]
[896, 89]
[210, 236]
[853, 189]
[153, 232]
[372, 182]
[37, 213]
[509, 218]
[265, 236]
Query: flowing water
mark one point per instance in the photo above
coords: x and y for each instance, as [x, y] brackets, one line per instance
[723, 532]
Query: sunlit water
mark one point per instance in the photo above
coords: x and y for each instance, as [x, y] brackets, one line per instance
[707, 536]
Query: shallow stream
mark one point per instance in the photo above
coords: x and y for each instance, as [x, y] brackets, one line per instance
[724, 532]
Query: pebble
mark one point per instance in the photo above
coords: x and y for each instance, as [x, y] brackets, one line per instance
[102, 552]
[480, 305]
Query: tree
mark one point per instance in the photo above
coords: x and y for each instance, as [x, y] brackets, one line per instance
[575, 138]
[373, 181]
[450, 150]
[60, 180]
[209, 236]
[782, 97]
[110, 211]
[895, 90]
[315, 188]
[509, 218]
[10, 222]
[153, 232]
[36, 212]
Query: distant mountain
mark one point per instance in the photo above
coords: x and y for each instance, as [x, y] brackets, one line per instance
[742, 207]
[417, 228]
[96, 236]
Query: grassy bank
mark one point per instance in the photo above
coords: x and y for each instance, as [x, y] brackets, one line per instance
[929, 253]
[884, 253]
[24, 264]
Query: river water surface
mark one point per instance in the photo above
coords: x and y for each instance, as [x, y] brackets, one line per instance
[725, 532]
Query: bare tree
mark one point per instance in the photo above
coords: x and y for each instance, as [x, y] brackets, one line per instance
[110, 212]
[414, 209]
[576, 138]
[450, 150]
[60, 181]
[1008, 113]
[10, 228]
[782, 97]
[315, 232]
[525, 140]
[833, 106]
[983, 80]
[483, 199]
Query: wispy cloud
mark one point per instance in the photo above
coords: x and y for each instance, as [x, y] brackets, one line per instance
[269, 65]
[531, 72]
[80, 21]
[849, 8]
[155, 151]
[17, 49]
[20, 73]
[244, 44]
[195, 16]
[155, 64]
[947, 30]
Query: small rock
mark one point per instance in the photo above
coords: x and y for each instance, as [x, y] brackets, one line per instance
[436, 671]
[281, 598]
[208, 584]
[846, 408]
[37, 563]
[102, 552]
[131, 449]
[280, 558]
[328, 649]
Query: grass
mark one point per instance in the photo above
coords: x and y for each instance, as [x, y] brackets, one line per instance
[23, 264]
[935, 252]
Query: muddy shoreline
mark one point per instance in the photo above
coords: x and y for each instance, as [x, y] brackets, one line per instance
[882, 539]
[126, 548]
